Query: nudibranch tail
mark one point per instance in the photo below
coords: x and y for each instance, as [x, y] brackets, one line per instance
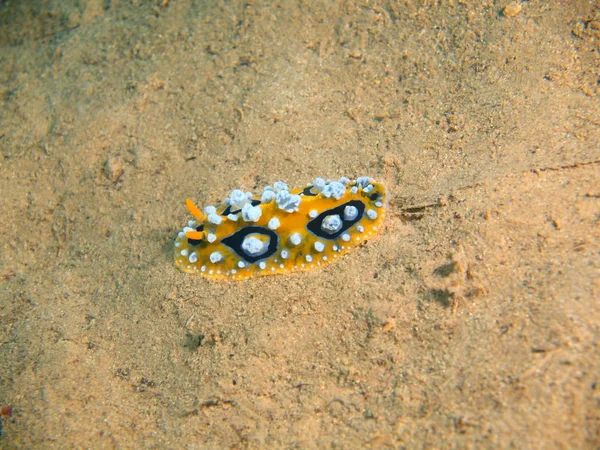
[283, 230]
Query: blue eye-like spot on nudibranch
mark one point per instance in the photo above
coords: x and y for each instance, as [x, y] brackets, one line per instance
[316, 226]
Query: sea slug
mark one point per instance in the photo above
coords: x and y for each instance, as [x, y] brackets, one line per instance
[281, 231]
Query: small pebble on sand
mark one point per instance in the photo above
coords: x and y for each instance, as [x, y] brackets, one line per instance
[512, 9]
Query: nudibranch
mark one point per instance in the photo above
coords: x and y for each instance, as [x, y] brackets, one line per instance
[281, 231]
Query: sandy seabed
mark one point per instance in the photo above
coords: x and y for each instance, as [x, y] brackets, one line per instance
[471, 321]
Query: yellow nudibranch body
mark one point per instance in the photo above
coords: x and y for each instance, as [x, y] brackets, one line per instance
[281, 231]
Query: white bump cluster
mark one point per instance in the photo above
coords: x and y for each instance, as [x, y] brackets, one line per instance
[270, 192]
[274, 223]
[238, 198]
[332, 224]
[267, 196]
[372, 214]
[288, 202]
[319, 246]
[280, 186]
[254, 246]
[295, 239]
[334, 189]
[215, 219]
[318, 185]
[251, 213]
[350, 212]
[363, 181]
[215, 257]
